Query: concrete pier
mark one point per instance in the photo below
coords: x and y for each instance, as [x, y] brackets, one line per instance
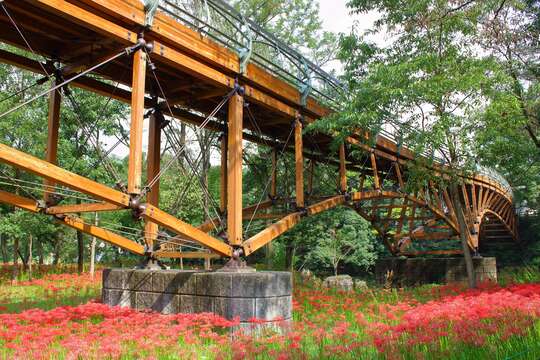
[413, 271]
[265, 295]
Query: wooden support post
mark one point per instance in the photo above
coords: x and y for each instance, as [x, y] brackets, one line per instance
[342, 169]
[234, 170]
[153, 167]
[473, 198]
[376, 182]
[299, 162]
[55, 99]
[137, 115]
[273, 184]
[362, 179]
[399, 176]
[223, 175]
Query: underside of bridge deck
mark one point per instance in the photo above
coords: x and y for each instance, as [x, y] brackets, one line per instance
[167, 71]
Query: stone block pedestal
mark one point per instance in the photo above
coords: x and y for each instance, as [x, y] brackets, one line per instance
[265, 295]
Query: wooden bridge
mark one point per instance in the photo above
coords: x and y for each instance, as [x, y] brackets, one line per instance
[167, 66]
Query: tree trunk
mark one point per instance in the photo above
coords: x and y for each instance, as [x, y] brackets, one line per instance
[30, 238]
[15, 270]
[80, 252]
[39, 246]
[3, 248]
[24, 260]
[93, 247]
[463, 235]
[289, 256]
[56, 254]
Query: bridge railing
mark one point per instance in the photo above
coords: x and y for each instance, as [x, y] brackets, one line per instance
[222, 23]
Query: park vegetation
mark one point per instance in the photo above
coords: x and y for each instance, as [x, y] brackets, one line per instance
[457, 80]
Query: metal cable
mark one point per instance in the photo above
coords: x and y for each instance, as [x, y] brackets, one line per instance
[12, 20]
[64, 83]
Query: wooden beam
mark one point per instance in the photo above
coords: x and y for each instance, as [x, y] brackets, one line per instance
[270, 233]
[55, 99]
[54, 173]
[299, 162]
[84, 17]
[399, 176]
[234, 170]
[186, 255]
[137, 117]
[326, 204]
[223, 175]
[473, 199]
[342, 169]
[432, 252]
[105, 235]
[19, 201]
[80, 208]
[153, 167]
[376, 181]
[152, 213]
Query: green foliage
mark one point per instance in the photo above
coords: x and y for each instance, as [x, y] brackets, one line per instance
[333, 238]
[342, 238]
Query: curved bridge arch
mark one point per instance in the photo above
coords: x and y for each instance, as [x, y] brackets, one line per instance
[197, 78]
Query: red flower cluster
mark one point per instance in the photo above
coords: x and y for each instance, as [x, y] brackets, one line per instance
[98, 331]
[469, 317]
[327, 324]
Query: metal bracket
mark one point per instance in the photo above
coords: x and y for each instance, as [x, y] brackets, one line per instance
[150, 7]
[244, 54]
[306, 85]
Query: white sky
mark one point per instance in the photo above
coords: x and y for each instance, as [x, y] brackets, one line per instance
[335, 15]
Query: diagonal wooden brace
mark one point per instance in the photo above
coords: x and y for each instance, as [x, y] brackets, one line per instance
[76, 223]
[16, 158]
[160, 217]
[79, 208]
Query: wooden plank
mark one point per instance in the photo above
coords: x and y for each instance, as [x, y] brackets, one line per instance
[80, 208]
[270, 233]
[152, 213]
[299, 163]
[326, 204]
[432, 252]
[342, 169]
[234, 170]
[19, 201]
[186, 255]
[376, 181]
[54, 173]
[473, 199]
[260, 216]
[152, 170]
[399, 176]
[136, 128]
[88, 19]
[105, 235]
[480, 202]
[166, 54]
[223, 175]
